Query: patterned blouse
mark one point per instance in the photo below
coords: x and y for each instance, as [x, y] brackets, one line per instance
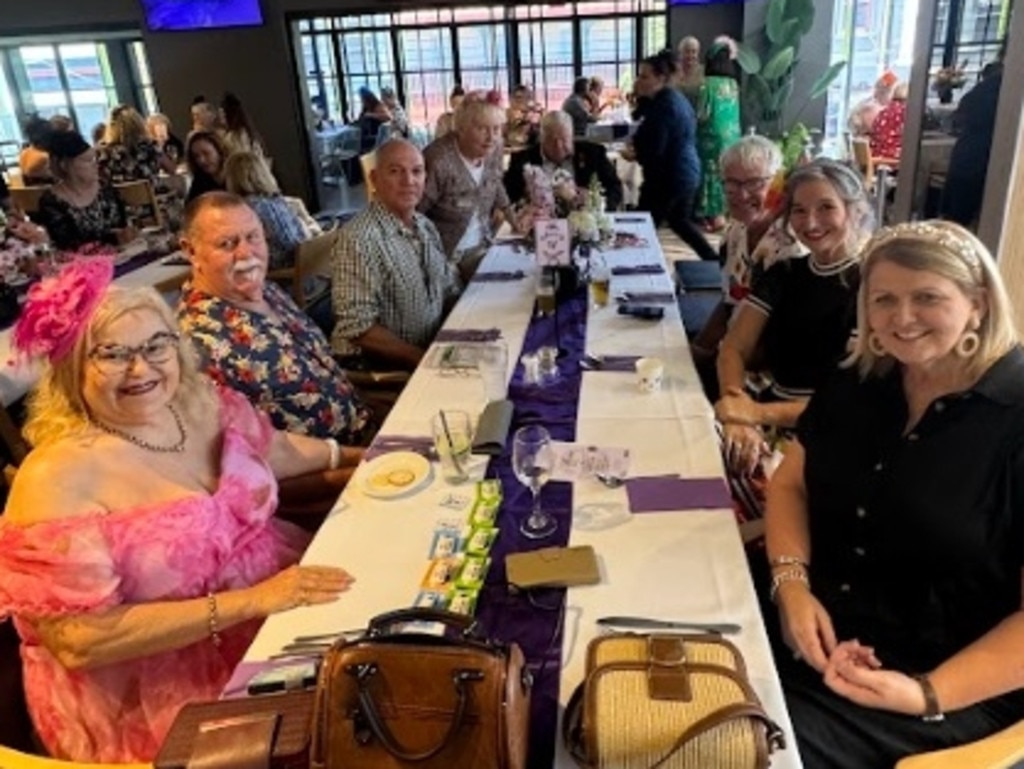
[119, 163]
[71, 227]
[284, 367]
[283, 228]
[388, 274]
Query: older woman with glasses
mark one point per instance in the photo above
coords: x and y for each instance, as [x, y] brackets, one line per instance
[139, 546]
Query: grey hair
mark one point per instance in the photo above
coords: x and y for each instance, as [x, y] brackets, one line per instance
[847, 184]
[752, 152]
[948, 250]
[472, 111]
[556, 118]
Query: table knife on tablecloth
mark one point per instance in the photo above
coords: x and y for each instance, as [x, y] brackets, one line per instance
[647, 623]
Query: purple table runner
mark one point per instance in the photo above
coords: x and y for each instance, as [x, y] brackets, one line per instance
[535, 622]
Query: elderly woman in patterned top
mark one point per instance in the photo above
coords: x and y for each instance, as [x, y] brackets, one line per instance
[464, 194]
[126, 153]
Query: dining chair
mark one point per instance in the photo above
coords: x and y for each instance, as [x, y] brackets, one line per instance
[340, 152]
[1002, 750]
[310, 278]
[27, 198]
[139, 198]
[861, 148]
[13, 759]
[384, 132]
[368, 163]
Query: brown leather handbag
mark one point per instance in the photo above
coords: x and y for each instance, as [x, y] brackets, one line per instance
[671, 701]
[401, 699]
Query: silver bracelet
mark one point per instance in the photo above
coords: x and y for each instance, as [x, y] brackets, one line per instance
[334, 462]
[788, 560]
[790, 575]
[211, 606]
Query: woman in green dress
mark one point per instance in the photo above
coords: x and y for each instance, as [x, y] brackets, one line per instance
[718, 126]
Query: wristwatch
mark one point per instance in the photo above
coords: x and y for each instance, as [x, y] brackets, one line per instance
[932, 712]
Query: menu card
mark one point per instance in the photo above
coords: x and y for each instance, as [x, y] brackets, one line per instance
[554, 243]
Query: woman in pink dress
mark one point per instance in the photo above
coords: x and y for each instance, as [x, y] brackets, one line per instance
[138, 551]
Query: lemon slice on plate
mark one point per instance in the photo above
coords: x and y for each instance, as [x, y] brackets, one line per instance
[396, 474]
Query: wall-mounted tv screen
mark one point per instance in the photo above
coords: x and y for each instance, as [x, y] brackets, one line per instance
[703, 2]
[201, 14]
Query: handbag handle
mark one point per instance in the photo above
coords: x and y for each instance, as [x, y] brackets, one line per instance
[381, 624]
[775, 736]
[364, 672]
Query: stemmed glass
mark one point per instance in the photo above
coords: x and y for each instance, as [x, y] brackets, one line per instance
[532, 460]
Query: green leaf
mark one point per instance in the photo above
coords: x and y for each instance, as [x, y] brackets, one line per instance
[758, 90]
[790, 36]
[748, 59]
[778, 64]
[825, 80]
[801, 11]
[775, 19]
[781, 96]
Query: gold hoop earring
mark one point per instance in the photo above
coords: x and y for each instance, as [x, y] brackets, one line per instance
[968, 344]
[875, 345]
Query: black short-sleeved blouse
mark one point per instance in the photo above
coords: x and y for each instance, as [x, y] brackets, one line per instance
[812, 310]
[917, 540]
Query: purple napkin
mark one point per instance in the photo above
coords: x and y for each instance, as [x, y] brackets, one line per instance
[499, 277]
[619, 362]
[659, 493]
[639, 269]
[384, 444]
[655, 297]
[468, 335]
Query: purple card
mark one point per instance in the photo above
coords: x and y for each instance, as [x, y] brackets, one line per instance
[660, 493]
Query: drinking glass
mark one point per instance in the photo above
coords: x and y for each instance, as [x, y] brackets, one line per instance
[532, 461]
[546, 293]
[453, 439]
[493, 367]
[600, 281]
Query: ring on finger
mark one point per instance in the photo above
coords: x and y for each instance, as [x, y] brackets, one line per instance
[303, 597]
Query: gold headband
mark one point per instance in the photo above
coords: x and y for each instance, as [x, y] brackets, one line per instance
[926, 231]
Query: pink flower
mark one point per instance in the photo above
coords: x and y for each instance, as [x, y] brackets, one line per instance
[59, 307]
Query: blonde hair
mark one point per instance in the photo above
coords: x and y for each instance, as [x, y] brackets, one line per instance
[949, 251]
[56, 408]
[474, 111]
[246, 173]
[126, 126]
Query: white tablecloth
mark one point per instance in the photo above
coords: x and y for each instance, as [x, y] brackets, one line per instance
[685, 565]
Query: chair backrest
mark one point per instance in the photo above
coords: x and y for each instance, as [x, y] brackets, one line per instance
[383, 134]
[140, 198]
[368, 162]
[862, 157]
[348, 141]
[313, 268]
[27, 198]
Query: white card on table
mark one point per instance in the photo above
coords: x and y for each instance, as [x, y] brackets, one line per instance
[553, 242]
[575, 461]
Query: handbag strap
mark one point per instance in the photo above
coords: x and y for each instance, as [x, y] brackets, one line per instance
[775, 737]
[363, 673]
[572, 727]
[382, 623]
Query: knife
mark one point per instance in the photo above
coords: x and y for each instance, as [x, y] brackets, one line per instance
[645, 623]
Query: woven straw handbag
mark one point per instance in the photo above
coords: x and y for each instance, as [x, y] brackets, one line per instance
[670, 701]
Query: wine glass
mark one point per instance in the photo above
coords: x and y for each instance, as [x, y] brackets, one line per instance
[532, 460]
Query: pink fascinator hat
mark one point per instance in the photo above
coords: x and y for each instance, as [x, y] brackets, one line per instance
[58, 308]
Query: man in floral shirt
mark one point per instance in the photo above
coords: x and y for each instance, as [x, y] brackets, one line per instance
[251, 336]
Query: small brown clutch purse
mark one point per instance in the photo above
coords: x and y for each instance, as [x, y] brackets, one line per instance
[270, 731]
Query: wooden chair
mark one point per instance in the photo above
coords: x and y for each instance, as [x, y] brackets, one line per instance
[12, 759]
[27, 198]
[1001, 750]
[368, 163]
[861, 148]
[310, 278]
[139, 198]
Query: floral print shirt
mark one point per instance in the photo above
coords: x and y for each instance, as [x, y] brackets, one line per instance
[283, 366]
[71, 227]
[119, 163]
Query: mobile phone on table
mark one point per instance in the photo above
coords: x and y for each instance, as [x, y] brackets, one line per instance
[285, 678]
[643, 311]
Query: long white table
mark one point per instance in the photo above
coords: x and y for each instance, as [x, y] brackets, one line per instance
[16, 379]
[683, 565]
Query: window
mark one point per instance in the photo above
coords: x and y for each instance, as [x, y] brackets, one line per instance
[145, 94]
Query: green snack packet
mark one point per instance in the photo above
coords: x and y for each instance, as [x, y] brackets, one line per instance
[481, 539]
[471, 575]
[463, 601]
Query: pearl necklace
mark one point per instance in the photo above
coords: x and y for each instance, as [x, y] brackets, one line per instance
[174, 448]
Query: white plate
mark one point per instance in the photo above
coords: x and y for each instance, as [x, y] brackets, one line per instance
[396, 474]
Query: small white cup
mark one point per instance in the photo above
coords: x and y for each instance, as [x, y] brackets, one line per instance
[649, 373]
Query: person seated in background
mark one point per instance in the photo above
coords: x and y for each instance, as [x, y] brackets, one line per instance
[373, 114]
[62, 123]
[139, 545]
[558, 149]
[887, 131]
[446, 122]
[522, 117]
[205, 118]
[595, 88]
[239, 134]
[80, 208]
[464, 196]
[392, 282]
[755, 239]
[798, 318]
[399, 120]
[127, 154]
[205, 156]
[246, 175]
[33, 160]
[863, 115]
[158, 129]
[894, 522]
[579, 106]
[228, 303]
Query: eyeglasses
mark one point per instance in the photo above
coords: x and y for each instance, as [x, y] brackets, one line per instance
[115, 359]
[746, 185]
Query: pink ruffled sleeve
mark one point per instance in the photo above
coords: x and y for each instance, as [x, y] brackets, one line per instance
[56, 568]
[237, 413]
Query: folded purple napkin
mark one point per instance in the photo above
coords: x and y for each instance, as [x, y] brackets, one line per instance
[655, 297]
[499, 277]
[384, 444]
[659, 493]
[468, 335]
[619, 362]
[639, 269]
